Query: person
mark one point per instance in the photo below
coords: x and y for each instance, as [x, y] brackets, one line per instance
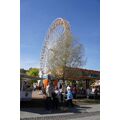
[93, 89]
[69, 98]
[96, 93]
[42, 88]
[48, 97]
[34, 86]
[24, 85]
[56, 90]
[59, 95]
[74, 91]
[68, 88]
[88, 92]
[55, 100]
[60, 86]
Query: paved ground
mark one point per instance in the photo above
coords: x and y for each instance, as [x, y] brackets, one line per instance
[34, 110]
[82, 112]
[81, 116]
[95, 117]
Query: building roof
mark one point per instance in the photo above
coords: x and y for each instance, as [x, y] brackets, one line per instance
[78, 74]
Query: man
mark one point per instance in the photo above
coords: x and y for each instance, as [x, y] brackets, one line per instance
[48, 102]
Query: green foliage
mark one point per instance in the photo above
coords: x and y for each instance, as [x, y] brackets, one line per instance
[34, 72]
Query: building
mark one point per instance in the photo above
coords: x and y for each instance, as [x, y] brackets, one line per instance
[85, 76]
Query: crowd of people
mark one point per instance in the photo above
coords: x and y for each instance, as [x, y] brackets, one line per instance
[57, 95]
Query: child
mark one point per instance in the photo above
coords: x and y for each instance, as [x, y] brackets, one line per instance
[69, 98]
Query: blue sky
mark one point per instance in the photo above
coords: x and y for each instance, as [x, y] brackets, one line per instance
[36, 17]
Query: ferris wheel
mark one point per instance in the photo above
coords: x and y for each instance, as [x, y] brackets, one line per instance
[59, 28]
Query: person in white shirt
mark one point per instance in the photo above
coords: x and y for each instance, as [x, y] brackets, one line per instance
[93, 90]
[34, 86]
[49, 91]
[68, 88]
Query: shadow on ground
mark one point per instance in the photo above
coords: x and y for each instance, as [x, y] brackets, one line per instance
[38, 107]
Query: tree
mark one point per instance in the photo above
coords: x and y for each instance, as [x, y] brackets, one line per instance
[22, 70]
[66, 53]
[33, 72]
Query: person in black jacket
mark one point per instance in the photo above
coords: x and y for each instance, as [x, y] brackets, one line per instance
[54, 100]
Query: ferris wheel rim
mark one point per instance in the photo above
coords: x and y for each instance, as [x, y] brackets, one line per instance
[57, 22]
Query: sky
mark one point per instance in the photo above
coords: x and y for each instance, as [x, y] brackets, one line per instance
[36, 17]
